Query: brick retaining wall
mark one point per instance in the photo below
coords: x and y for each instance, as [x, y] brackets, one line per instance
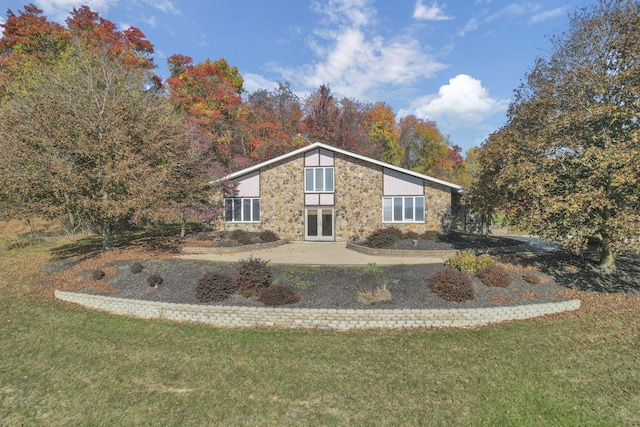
[337, 319]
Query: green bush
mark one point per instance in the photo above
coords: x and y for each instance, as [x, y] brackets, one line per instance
[154, 280]
[452, 285]
[531, 278]
[242, 237]
[252, 275]
[384, 237]
[215, 286]
[136, 268]
[97, 274]
[494, 276]
[468, 262]
[268, 236]
[279, 295]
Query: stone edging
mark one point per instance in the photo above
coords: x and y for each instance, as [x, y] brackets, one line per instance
[301, 318]
[430, 253]
[231, 249]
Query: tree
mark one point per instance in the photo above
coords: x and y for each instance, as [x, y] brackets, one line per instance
[383, 132]
[565, 165]
[208, 93]
[85, 138]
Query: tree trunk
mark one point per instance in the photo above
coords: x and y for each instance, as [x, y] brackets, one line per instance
[107, 238]
[183, 224]
[607, 255]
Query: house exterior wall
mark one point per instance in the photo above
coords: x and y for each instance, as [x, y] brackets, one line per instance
[357, 200]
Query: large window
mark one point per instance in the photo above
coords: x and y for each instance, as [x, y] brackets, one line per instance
[318, 180]
[242, 210]
[403, 209]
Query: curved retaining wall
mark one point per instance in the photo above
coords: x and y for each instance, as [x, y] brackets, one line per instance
[336, 319]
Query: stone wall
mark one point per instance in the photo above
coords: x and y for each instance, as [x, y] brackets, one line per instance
[251, 317]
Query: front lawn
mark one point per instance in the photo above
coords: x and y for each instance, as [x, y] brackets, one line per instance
[63, 365]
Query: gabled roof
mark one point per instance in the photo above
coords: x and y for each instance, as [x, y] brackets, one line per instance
[344, 152]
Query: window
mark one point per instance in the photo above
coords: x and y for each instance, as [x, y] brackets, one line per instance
[318, 180]
[242, 210]
[403, 209]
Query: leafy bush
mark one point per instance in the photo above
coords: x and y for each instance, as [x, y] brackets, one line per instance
[154, 280]
[252, 275]
[411, 235]
[494, 275]
[452, 285]
[384, 237]
[215, 286]
[468, 262]
[135, 268]
[268, 236]
[97, 274]
[531, 278]
[242, 237]
[278, 295]
[431, 235]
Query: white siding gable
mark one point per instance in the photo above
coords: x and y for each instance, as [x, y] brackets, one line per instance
[249, 185]
[400, 184]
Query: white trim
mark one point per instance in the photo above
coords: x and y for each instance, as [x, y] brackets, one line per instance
[336, 150]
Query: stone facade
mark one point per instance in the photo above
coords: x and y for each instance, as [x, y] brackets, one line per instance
[358, 186]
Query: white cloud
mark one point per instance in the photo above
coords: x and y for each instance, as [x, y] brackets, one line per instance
[353, 60]
[165, 6]
[548, 14]
[59, 10]
[254, 82]
[463, 102]
[430, 13]
[149, 20]
[472, 25]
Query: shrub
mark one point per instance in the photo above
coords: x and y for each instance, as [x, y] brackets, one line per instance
[431, 235]
[380, 294]
[452, 285]
[468, 262]
[494, 276]
[278, 295]
[531, 278]
[384, 237]
[136, 268]
[241, 236]
[215, 286]
[411, 235]
[268, 236]
[154, 280]
[252, 275]
[97, 274]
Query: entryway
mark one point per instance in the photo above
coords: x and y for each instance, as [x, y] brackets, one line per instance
[319, 224]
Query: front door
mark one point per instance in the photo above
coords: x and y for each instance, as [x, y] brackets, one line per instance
[319, 224]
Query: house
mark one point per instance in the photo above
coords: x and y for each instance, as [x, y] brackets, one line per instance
[322, 193]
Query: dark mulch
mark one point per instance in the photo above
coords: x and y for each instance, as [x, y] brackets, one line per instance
[453, 241]
[563, 276]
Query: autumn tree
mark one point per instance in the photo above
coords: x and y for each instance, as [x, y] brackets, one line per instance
[565, 166]
[383, 132]
[208, 94]
[86, 138]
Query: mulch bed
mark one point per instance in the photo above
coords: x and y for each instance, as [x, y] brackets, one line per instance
[563, 276]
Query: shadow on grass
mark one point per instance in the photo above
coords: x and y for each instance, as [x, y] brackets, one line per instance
[155, 239]
[582, 273]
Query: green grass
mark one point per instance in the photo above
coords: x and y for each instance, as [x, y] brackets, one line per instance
[62, 365]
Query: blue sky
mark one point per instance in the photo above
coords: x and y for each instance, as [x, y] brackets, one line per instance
[456, 62]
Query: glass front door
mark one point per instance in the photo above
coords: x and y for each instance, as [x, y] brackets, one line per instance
[319, 224]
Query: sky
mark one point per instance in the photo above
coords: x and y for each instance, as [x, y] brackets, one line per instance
[455, 62]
